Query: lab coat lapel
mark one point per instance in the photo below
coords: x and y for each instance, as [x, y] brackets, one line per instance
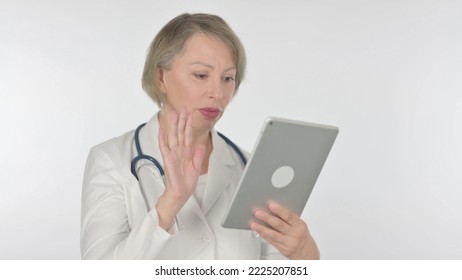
[220, 173]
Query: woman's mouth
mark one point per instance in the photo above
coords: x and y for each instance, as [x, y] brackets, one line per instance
[209, 112]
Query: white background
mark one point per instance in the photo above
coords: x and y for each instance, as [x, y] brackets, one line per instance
[387, 73]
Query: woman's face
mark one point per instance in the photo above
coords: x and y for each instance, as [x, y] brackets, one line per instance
[201, 79]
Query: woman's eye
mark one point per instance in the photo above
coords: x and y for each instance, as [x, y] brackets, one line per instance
[229, 79]
[200, 76]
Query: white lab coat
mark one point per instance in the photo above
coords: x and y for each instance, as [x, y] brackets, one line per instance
[116, 223]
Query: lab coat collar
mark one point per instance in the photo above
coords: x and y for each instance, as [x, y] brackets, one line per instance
[220, 173]
[149, 139]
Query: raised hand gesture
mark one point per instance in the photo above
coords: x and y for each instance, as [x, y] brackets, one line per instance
[182, 163]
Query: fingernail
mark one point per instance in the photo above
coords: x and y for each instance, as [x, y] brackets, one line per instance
[258, 214]
[272, 206]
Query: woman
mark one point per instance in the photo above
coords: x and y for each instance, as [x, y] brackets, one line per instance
[193, 69]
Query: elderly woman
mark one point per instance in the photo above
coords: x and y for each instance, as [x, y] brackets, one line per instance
[133, 209]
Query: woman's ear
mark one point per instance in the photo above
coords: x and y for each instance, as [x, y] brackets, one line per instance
[160, 80]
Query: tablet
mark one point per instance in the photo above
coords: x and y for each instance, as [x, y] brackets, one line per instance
[284, 167]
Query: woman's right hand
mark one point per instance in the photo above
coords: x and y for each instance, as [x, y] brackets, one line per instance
[182, 163]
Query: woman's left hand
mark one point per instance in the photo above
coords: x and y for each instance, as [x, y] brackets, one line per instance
[288, 233]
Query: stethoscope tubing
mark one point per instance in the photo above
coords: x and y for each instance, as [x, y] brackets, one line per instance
[157, 164]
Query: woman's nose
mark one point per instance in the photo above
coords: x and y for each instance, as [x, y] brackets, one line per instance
[216, 89]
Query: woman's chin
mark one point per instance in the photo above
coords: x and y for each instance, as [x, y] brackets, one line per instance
[204, 124]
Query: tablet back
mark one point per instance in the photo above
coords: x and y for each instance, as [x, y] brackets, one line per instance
[284, 167]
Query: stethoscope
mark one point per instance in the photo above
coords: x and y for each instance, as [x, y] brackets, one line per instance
[157, 164]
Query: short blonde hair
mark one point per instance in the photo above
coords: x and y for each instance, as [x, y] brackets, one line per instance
[171, 40]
